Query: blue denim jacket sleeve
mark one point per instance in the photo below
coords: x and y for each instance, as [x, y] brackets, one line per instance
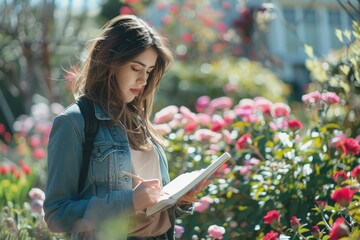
[64, 210]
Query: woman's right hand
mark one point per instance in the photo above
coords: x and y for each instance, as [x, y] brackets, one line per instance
[146, 193]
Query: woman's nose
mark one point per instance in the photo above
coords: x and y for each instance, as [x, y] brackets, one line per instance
[143, 78]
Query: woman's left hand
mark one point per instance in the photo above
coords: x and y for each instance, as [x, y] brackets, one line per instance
[190, 197]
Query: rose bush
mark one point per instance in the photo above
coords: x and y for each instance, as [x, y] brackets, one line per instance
[282, 168]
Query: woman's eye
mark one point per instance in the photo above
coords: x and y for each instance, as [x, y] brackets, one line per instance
[136, 69]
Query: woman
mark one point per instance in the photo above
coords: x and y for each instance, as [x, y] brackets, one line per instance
[120, 76]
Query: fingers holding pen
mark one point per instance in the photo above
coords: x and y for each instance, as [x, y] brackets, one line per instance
[146, 193]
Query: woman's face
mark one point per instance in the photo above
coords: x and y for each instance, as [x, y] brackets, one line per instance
[132, 76]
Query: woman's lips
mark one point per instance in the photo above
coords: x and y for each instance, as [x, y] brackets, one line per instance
[136, 92]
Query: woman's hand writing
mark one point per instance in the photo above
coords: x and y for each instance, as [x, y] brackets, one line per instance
[145, 194]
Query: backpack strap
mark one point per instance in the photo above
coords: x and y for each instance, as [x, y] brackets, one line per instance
[91, 127]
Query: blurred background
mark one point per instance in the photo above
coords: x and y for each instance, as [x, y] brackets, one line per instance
[244, 48]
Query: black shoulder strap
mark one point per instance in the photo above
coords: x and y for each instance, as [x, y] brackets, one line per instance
[91, 126]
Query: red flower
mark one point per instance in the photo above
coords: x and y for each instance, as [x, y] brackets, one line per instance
[315, 231]
[271, 236]
[294, 124]
[187, 37]
[339, 229]
[321, 205]
[295, 223]
[243, 141]
[343, 196]
[39, 153]
[26, 169]
[351, 146]
[2, 129]
[190, 127]
[125, 10]
[4, 170]
[272, 216]
[216, 127]
[340, 176]
[348, 145]
[355, 173]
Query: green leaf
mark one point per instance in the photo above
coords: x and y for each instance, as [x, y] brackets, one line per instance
[309, 51]
[347, 34]
[338, 34]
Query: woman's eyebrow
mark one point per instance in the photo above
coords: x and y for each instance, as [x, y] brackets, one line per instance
[142, 64]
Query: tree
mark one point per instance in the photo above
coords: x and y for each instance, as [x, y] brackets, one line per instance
[36, 36]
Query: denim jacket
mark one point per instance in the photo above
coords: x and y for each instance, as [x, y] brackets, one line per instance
[107, 193]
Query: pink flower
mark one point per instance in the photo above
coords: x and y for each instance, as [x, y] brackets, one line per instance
[131, 1]
[204, 119]
[202, 103]
[207, 135]
[216, 231]
[187, 114]
[355, 173]
[313, 97]
[343, 196]
[340, 176]
[166, 114]
[221, 27]
[36, 193]
[217, 123]
[179, 230]
[271, 217]
[39, 153]
[271, 236]
[227, 136]
[34, 141]
[221, 103]
[161, 6]
[263, 104]
[174, 8]
[245, 108]
[203, 204]
[330, 97]
[231, 88]
[163, 128]
[243, 141]
[166, 20]
[280, 110]
[339, 229]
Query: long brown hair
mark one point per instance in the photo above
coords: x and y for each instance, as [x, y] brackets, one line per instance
[120, 40]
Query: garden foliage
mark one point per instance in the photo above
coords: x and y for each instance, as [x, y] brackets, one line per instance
[287, 176]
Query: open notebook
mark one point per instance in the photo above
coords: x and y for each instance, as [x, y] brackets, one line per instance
[182, 184]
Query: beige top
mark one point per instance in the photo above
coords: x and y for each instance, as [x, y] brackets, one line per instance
[146, 165]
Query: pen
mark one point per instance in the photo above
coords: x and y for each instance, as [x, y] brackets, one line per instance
[134, 176]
